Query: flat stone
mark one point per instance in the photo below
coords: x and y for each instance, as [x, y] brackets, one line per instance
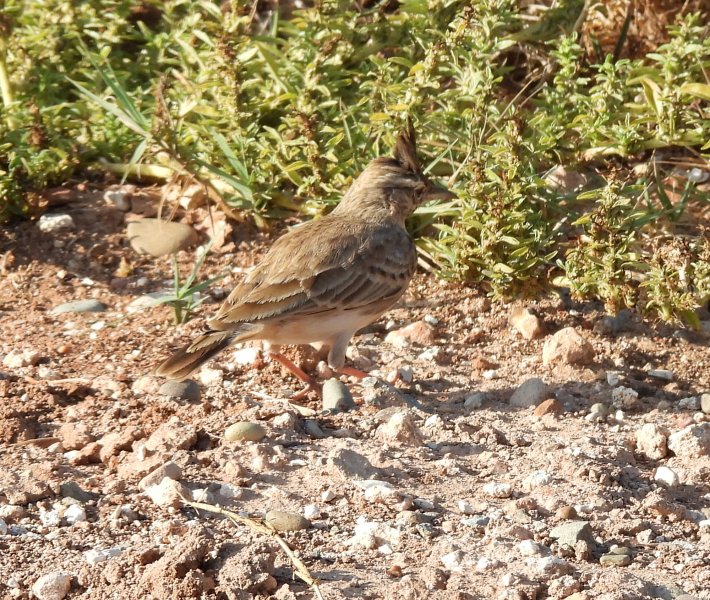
[337, 396]
[159, 238]
[351, 465]
[663, 374]
[185, 390]
[530, 393]
[156, 476]
[615, 560]
[571, 532]
[286, 521]
[79, 306]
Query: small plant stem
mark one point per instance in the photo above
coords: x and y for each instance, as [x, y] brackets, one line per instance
[8, 98]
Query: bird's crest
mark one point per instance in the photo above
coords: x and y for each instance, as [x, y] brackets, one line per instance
[405, 149]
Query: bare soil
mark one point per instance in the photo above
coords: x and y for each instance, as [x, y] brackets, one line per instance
[85, 415]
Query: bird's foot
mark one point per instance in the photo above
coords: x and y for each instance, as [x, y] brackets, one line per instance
[311, 384]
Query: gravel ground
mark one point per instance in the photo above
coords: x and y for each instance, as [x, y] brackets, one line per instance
[509, 451]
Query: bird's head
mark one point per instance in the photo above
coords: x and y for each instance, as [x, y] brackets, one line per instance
[395, 184]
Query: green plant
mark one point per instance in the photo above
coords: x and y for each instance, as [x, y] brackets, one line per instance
[186, 295]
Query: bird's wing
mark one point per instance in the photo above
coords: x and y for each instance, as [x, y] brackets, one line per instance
[321, 267]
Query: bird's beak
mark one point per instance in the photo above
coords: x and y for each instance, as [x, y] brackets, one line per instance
[438, 192]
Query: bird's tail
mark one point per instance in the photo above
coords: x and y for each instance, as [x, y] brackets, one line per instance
[190, 357]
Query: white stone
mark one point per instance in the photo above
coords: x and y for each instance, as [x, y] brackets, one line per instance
[453, 561]
[75, 514]
[328, 496]
[52, 586]
[530, 548]
[210, 377]
[94, 557]
[49, 518]
[49, 223]
[311, 511]
[245, 357]
[692, 441]
[530, 393]
[498, 490]
[465, 507]
[371, 535]
[666, 476]
[535, 480]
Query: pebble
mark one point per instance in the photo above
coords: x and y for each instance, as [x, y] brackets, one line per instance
[624, 396]
[691, 442]
[536, 480]
[313, 429]
[71, 489]
[246, 357]
[652, 441]
[597, 412]
[453, 561]
[311, 511]
[74, 514]
[286, 521]
[52, 586]
[17, 359]
[571, 532]
[209, 377]
[79, 306]
[474, 400]
[337, 396]
[167, 493]
[530, 393]
[705, 403]
[159, 238]
[566, 513]
[531, 548]
[551, 566]
[613, 378]
[663, 374]
[615, 560]
[400, 429]
[328, 496]
[527, 323]
[567, 347]
[498, 490]
[3, 527]
[546, 407]
[419, 332]
[94, 557]
[690, 403]
[53, 223]
[169, 469]
[245, 431]
[609, 325]
[120, 196]
[186, 389]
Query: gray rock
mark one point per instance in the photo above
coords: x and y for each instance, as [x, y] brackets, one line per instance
[474, 400]
[571, 532]
[245, 432]
[530, 393]
[71, 489]
[705, 403]
[79, 306]
[185, 390]
[380, 394]
[313, 429]
[351, 465]
[337, 396]
[663, 374]
[159, 238]
[614, 325]
[286, 521]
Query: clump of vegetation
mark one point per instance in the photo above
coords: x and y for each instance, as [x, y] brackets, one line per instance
[278, 111]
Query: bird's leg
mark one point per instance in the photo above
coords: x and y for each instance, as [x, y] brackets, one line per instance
[289, 365]
[353, 372]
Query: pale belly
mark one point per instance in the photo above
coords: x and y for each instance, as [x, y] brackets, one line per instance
[317, 328]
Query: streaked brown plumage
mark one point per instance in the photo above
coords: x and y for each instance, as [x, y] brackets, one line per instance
[326, 279]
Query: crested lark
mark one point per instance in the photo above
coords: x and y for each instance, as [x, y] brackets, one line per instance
[324, 280]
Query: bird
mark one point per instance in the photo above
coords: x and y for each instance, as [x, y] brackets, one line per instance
[326, 279]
